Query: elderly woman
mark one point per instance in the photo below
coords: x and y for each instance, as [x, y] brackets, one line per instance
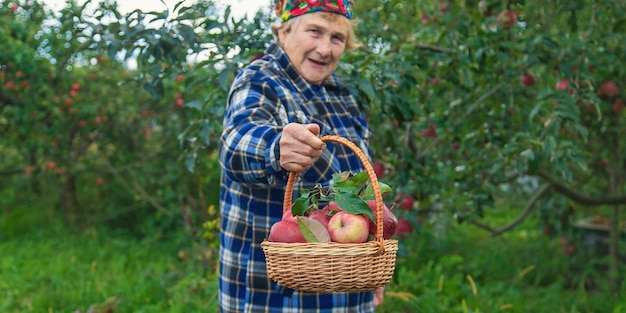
[277, 109]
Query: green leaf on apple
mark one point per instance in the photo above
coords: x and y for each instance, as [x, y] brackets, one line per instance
[368, 194]
[358, 185]
[353, 204]
[312, 230]
[300, 206]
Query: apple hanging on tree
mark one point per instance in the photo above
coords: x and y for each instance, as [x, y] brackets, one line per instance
[507, 19]
[379, 169]
[405, 201]
[608, 89]
[404, 228]
[527, 80]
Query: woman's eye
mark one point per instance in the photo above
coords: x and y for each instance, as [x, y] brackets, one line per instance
[339, 39]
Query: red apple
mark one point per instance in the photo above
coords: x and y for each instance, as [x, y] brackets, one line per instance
[390, 221]
[569, 249]
[345, 227]
[75, 86]
[179, 102]
[406, 201]
[507, 19]
[527, 80]
[609, 89]
[430, 132]
[562, 84]
[322, 216]
[379, 169]
[286, 231]
[288, 216]
[404, 228]
[331, 207]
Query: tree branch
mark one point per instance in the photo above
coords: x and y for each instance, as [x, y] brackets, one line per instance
[527, 209]
[138, 188]
[432, 48]
[11, 172]
[579, 196]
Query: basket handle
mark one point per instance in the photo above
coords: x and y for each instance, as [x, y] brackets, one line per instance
[378, 197]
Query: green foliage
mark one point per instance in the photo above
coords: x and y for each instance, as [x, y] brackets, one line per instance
[82, 123]
[457, 75]
[349, 190]
[112, 119]
[104, 271]
[461, 269]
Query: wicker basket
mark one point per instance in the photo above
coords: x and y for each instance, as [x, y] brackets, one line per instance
[331, 266]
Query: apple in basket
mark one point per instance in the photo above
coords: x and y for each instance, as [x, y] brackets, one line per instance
[286, 231]
[345, 227]
[324, 214]
[390, 221]
[288, 216]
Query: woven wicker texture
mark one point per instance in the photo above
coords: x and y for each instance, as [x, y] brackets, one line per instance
[331, 266]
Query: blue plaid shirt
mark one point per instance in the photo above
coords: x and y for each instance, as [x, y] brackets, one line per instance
[266, 96]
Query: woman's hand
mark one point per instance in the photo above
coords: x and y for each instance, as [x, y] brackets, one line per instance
[300, 146]
[379, 294]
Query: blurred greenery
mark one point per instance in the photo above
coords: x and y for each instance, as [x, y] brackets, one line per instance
[108, 168]
[441, 267]
[54, 269]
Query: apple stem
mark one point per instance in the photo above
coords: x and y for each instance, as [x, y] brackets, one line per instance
[393, 206]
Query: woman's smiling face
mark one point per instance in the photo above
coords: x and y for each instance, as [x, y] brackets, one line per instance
[315, 44]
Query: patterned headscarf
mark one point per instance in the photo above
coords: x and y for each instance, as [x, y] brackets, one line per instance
[287, 9]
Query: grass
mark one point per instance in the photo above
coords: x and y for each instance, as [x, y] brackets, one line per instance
[61, 271]
[522, 271]
[457, 269]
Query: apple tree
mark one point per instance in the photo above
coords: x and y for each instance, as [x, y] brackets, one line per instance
[476, 103]
[92, 103]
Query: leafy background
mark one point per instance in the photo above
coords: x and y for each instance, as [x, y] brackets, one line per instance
[512, 193]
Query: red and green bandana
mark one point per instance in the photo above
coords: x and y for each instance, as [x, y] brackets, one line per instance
[287, 9]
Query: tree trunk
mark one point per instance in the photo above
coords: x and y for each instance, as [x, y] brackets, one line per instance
[69, 202]
[614, 241]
